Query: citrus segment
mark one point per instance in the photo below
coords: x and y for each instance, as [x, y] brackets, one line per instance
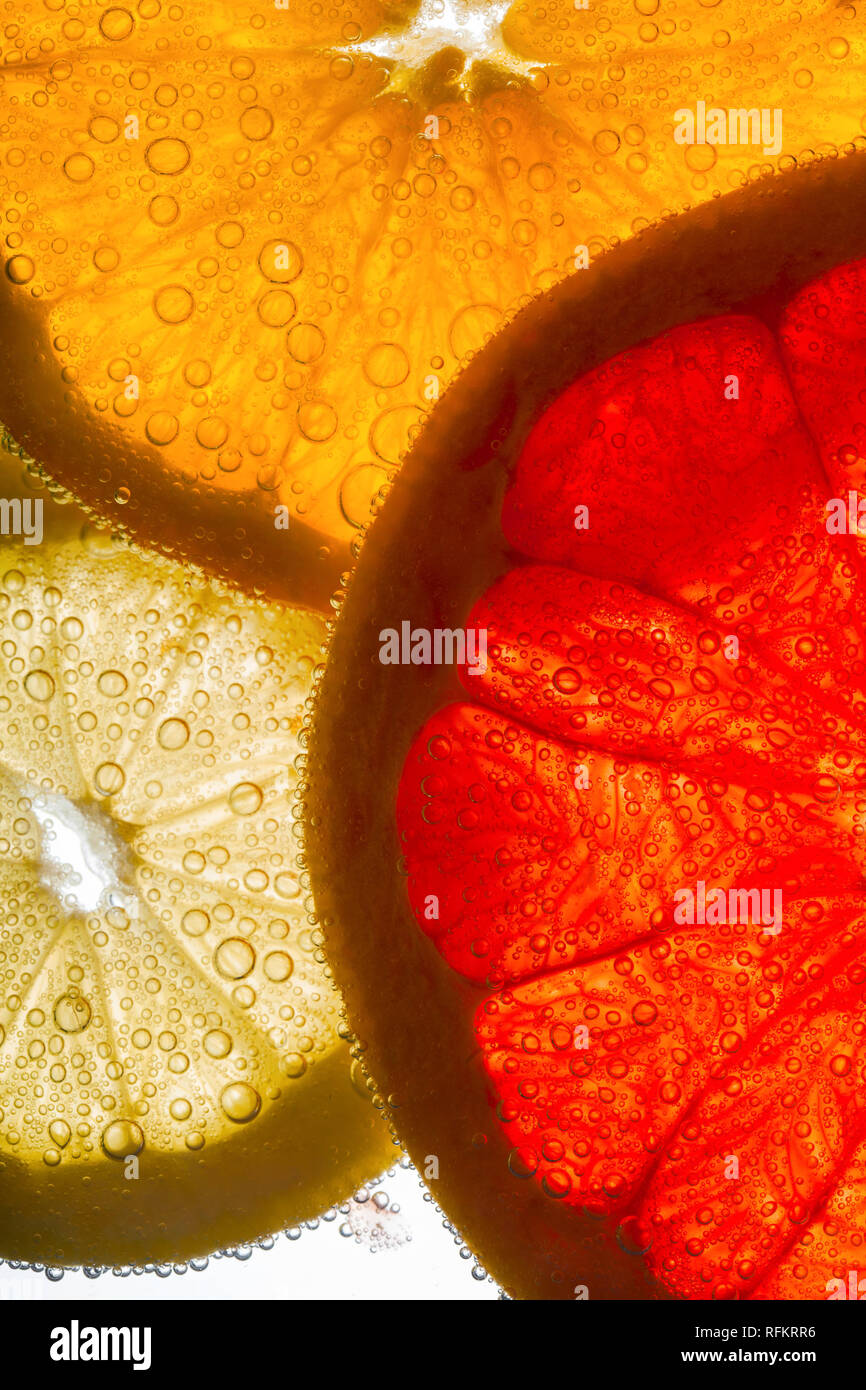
[822, 341]
[616, 667]
[528, 873]
[657, 445]
[492, 830]
[165, 1000]
[792, 1105]
[246, 247]
[671, 1091]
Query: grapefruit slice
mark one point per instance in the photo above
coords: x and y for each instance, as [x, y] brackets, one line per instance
[245, 245]
[629, 493]
[173, 1077]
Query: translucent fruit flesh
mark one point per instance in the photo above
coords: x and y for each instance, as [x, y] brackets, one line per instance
[245, 247]
[172, 1079]
[615, 752]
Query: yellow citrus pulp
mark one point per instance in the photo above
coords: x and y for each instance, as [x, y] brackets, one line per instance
[172, 1074]
[247, 245]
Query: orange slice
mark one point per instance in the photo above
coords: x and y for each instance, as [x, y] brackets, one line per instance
[173, 1072]
[246, 246]
[609, 1099]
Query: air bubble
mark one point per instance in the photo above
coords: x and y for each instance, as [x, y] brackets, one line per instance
[39, 686]
[173, 734]
[72, 1013]
[122, 1139]
[167, 156]
[240, 1102]
[234, 958]
[245, 798]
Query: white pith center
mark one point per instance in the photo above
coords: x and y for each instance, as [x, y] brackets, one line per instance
[473, 27]
[82, 861]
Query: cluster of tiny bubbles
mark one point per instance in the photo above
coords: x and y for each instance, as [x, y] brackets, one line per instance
[361, 1217]
[371, 1218]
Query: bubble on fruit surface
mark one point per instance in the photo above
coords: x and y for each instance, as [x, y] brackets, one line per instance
[116, 24]
[278, 965]
[72, 1012]
[386, 365]
[20, 269]
[122, 1139]
[567, 681]
[700, 158]
[240, 1102]
[317, 420]
[634, 1236]
[195, 922]
[167, 156]
[245, 798]
[472, 327]
[234, 958]
[173, 304]
[39, 685]
[358, 492]
[217, 1043]
[109, 778]
[112, 683]
[280, 261]
[78, 167]
[173, 734]
[306, 343]
[523, 1162]
[163, 209]
[60, 1133]
[393, 431]
[256, 123]
[276, 308]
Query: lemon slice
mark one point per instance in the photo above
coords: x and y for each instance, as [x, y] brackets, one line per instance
[172, 1075]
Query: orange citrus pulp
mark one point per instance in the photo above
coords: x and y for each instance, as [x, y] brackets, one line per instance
[246, 246]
